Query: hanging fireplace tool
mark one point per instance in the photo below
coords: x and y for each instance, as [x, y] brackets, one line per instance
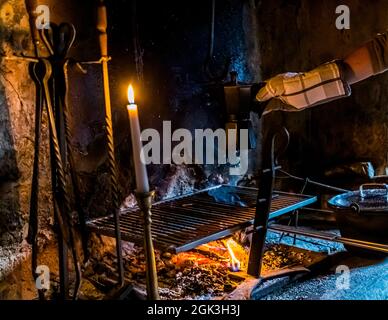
[50, 76]
[49, 70]
[102, 24]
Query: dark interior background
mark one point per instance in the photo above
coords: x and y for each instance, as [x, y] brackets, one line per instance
[262, 39]
[299, 35]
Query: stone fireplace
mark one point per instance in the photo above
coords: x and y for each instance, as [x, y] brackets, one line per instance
[163, 48]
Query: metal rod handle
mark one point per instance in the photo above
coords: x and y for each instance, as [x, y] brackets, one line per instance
[102, 25]
[114, 184]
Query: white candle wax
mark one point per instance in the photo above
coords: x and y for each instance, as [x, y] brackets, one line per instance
[142, 184]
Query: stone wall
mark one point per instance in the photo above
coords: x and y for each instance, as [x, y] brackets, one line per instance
[17, 116]
[298, 35]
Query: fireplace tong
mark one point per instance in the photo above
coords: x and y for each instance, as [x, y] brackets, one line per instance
[50, 76]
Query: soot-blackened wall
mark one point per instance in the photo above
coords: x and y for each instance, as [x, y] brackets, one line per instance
[301, 34]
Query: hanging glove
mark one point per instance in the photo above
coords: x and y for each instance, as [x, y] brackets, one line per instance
[302, 90]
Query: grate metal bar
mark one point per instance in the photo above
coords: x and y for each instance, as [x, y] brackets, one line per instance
[185, 222]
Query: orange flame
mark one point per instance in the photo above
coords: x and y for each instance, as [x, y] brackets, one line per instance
[131, 94]
[235, 264]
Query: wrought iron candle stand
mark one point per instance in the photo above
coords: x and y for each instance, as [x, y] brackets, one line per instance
[144, 200]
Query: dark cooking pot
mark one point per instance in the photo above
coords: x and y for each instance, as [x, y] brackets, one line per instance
[363, 214]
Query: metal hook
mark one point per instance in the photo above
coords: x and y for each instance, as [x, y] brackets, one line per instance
[283, 147]
[58, 40]
[210, 58]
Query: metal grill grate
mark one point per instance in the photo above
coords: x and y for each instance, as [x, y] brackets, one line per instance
[183, 223]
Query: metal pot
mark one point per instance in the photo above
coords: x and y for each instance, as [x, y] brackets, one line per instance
[363, 214]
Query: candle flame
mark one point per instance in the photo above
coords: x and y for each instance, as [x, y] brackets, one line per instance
[131, 94]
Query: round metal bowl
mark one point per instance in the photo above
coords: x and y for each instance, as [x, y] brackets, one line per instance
[363, 214]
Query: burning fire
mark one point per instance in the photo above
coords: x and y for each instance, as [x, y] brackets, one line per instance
[234, 264]
[229, 252]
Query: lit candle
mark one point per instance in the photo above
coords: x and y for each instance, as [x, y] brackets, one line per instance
[137, 145]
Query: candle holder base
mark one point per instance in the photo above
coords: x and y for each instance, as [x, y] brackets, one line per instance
[144, 200]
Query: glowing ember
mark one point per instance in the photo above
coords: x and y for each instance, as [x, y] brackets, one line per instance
[234, 264]
[216, 247]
